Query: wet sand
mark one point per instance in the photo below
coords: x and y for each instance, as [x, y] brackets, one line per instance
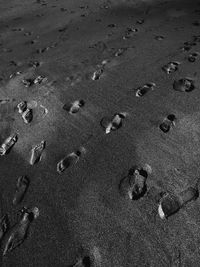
[81, 210]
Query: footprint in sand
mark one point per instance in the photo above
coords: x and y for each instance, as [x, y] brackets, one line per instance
[172, 203]
[184, 85]
[171, 67]
[21, 188]
[193, 56]
[36, 153]
[167, 123]
[74, 107]
[141, 91]
[113, 123]
[8, 144]
[133, 186]
[19, 231]
[69, 160]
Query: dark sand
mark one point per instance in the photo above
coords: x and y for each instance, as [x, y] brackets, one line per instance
[81, 210]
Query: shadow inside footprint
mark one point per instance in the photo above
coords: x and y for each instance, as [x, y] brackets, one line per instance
[85, 262]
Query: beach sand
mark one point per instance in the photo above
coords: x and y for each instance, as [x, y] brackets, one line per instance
[81, 211]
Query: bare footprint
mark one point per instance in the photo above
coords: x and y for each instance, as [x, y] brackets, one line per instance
[113, 123]
[184, 85]
[133, 186]
[36, 152]
[167, 123]
[141, 91]
[171, 67]
[21, 188]
[8, 144]
[69, 160]
[74, 107]
[172, 203]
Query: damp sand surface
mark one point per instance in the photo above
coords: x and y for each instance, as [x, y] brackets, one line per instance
[81, 211]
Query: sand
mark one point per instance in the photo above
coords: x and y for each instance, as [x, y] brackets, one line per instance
[81, 212]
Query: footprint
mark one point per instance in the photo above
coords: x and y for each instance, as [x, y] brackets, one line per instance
[189, 44]
[167, 123]
[134, 186]
[22, 106]
[171, 203]
[26, 113]
[36, 152]
[69, 160]
[120, 51]
[171, 67]
[19, 232]
[97, 74]
[141, 91]
[21, 188]
[114, 123]
[8, 144]
[74, 107]
[184, 85]
[193, 56]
